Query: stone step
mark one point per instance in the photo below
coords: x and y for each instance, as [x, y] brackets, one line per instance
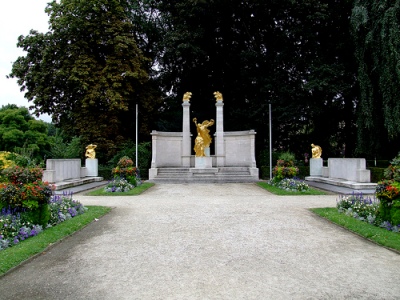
[69, 183]
[206, 175]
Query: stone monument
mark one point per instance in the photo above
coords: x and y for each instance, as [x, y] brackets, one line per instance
[91, 163]
[316, 161]
[234, 152]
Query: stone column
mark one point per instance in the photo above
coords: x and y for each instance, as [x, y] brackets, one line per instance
[219, 134]
[186, 142]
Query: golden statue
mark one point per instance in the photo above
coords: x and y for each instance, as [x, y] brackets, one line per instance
[218, 96]
[90, 153]
[316, 151]
[186, 96]
[203, 139]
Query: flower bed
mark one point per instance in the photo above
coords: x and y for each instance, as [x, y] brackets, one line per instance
[15, 225]
[291, 184]
[365, 209]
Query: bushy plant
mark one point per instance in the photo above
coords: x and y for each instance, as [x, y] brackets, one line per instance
[22, 175]
[285, 167]
[126, 170]
[393, 171]
[29, 195]
[23, 189]
[388, 192]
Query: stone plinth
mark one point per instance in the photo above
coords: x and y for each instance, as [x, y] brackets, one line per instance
[316, 166]
[203, 162]
[92, 167]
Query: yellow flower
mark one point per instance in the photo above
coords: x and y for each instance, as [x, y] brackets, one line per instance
[5, 162]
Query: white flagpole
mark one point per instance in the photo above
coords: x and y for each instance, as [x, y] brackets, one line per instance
[137, 112]
[270, 143]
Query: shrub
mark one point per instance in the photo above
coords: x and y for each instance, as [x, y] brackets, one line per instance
[29, 195]
[21, 175]
[393, 171]
[24, 191]
[285, 167]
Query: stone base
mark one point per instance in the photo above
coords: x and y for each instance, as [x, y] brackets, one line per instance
[316, 166]
[92, 167]
[203, 162]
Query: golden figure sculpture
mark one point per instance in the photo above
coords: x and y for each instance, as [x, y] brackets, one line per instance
[316, 151]
[218, 96]
[186, 96]
[203, 139]
[90, 153]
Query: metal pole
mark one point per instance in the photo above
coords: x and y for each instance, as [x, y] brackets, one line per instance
[137, 136]
[270, 142]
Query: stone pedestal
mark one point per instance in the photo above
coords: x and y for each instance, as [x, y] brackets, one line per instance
[203, 162]
[92, 167]
[316, 166]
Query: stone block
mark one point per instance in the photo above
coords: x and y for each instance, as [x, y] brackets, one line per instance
[203, 162]
[316, 165]
[92, 167]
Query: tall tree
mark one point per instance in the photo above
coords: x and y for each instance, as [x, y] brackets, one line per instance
[376, 32]
[293, 54]
[87, 71]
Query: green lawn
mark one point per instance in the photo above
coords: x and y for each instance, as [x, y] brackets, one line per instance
[136, 191]
[280, 192]
[15, 255]
[378, 235]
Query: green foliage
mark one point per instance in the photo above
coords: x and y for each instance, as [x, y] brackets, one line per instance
[39, 215]
[62, 149]
[296, 55]
[393, 171]
[86, 71]
[129, 149]
[375, 30]
[21, 133]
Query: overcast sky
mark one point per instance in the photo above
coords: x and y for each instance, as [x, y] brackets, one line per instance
[17, 17]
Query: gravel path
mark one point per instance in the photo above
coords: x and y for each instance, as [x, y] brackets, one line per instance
[209, 241]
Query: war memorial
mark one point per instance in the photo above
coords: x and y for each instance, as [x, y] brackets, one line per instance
[173, 160]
